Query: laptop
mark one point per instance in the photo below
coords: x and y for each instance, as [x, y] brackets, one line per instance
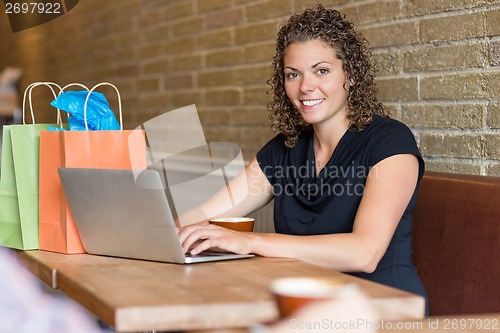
[121, 216]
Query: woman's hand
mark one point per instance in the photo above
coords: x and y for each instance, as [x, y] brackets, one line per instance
[200, 237]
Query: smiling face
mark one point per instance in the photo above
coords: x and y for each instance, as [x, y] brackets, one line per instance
[315, 82]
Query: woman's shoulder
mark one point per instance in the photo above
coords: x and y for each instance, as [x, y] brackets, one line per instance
[278, 141]
[390, 137]
[276, 149]
[273, 147]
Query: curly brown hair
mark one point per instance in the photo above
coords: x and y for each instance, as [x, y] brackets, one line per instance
[331, 28]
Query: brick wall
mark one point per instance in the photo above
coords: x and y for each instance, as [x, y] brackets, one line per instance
[438, 65]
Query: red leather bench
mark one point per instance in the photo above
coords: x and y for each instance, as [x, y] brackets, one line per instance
[456, 237]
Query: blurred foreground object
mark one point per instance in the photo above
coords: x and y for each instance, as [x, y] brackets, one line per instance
[348, 312]
[9, 96]
[10, 111]
[26, 308]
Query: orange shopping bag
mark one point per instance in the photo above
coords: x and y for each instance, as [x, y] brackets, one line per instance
[109, 149]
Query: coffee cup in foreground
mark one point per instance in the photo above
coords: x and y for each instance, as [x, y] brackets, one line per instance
[235, 223]
[293, 293]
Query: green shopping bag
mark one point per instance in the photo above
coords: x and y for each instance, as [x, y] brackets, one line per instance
[19, 183]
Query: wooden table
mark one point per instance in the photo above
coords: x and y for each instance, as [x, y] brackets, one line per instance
[134, 295]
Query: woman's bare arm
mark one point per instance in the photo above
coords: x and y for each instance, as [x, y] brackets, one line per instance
[250, 190]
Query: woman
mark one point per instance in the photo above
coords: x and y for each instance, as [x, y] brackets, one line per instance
[343, 176]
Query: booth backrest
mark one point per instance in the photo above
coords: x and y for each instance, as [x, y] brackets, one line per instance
[456, 238]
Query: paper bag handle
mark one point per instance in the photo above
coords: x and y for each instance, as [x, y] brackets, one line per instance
[87, 100]
[29, 89]
[73, 84]
[59, 120]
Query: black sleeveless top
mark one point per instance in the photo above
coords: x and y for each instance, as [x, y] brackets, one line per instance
[306, 204]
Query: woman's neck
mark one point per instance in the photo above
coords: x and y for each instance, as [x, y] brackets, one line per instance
[327, 136]
[326, 139]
